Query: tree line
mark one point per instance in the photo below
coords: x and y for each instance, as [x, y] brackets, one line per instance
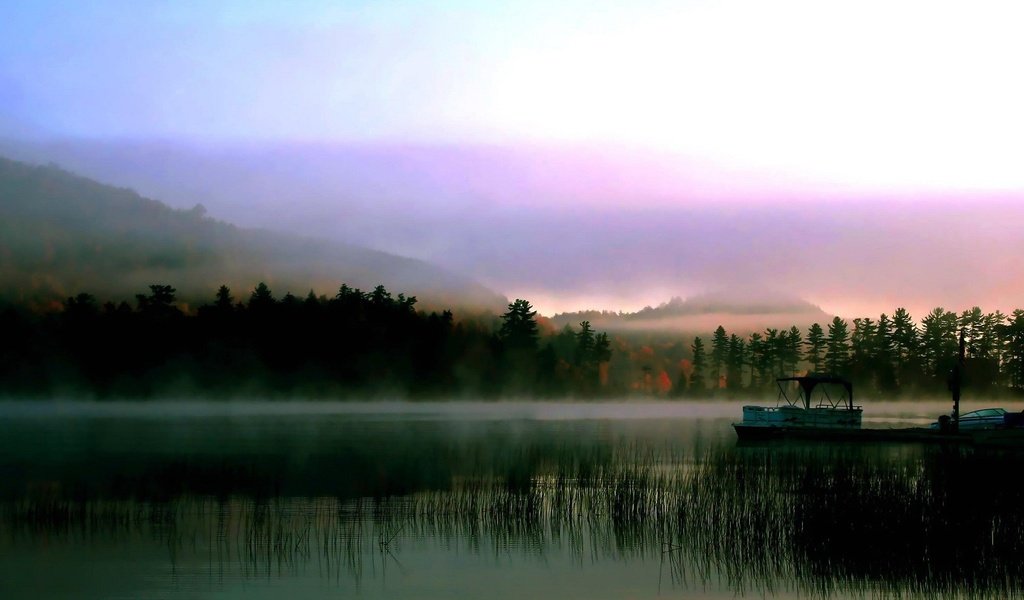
[353, 344]
[373, 344]
[889, 355]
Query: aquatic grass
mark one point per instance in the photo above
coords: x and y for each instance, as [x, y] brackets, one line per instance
[814, 520]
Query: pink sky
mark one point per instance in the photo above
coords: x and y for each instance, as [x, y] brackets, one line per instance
[552, 226]
[579, 152]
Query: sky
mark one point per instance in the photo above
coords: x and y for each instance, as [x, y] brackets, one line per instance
[673, 108]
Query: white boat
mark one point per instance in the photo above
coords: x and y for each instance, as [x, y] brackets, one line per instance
[802, 411]
[985, 418]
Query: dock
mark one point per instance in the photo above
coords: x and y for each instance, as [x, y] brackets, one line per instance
[980, 437]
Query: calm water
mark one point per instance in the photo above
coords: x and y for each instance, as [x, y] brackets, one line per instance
[516, 500]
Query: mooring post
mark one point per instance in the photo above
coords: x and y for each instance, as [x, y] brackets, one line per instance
[954, 384]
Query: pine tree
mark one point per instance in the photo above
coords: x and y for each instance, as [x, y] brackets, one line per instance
[862, 348]
[884, 364]
[699, 363]
[719, 354]
[583, 356]
[756, 358]
[1012, 334]
[794, 341]
[972, 323]
[837, 356]
[519, 327]
[261, 297]
[904, 345]
[815, 347]
[224, 302]
[771, 351]
[735, 361]
[602, 348]
[939, 342]
[159, 302]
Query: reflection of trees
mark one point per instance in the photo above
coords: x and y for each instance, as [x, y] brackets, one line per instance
[874, 521]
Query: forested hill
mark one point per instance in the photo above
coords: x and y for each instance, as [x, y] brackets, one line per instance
[703, 313]
[61, 234]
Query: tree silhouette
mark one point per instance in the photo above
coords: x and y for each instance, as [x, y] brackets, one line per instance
[223, 301]
[792, 343]
[737, 357]
[519, 327]
[699, 363]
[584, 355]
[884, 363]
[757, 358]
[837, 354]
[815, 347]
[261, 298]
[1013, 334]
[368, 342]
[602, 348]
[904, 345]
[939, 342]
[719, 353]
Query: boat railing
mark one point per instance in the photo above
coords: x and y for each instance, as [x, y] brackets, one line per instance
[798, 407]
[806, 385]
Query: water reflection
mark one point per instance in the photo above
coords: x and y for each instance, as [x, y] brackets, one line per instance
[666, 506]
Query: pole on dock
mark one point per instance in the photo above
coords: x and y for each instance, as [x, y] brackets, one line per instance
[955, 377]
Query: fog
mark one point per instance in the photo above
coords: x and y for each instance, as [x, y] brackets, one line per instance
[577, 229]
[584, 155]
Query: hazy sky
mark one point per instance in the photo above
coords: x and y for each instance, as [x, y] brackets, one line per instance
[882, 94]
[663, 117]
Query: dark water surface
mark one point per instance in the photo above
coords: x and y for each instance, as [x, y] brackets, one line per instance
[467, 500]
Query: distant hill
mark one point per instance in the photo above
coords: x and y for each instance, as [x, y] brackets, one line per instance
[61, 233]
[704, 313]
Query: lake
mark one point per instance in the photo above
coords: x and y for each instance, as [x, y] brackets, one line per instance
[490, 500]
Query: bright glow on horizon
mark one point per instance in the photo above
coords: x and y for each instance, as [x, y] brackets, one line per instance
[879, 95]
[873, 94]
[581, 154]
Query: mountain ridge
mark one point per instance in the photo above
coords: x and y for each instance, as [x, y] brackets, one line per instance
[64, 233]
[704, 312]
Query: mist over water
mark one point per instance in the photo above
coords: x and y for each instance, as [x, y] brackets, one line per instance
[381, 238]
[615, 499]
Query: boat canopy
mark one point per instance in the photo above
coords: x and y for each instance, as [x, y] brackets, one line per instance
[809, 382]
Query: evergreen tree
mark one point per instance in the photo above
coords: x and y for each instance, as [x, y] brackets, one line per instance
[988, 346]
[602, 348]
[837, 354]
[772, 346]
[223, 301]
[862, 348]
[719, 354]
[311, 302]
[815, 348]
[699, 365]
[904, 346]
[972, 323]
[591, 350]
[939, 342]
[159, 302]
[380, 297]
[81, 307]
[791, 352]
[519, 326]
[757, 358]
[1013, 337]
[884, 364]
[261, 298]
[982, 368]
[584, 355]
[736, 359]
